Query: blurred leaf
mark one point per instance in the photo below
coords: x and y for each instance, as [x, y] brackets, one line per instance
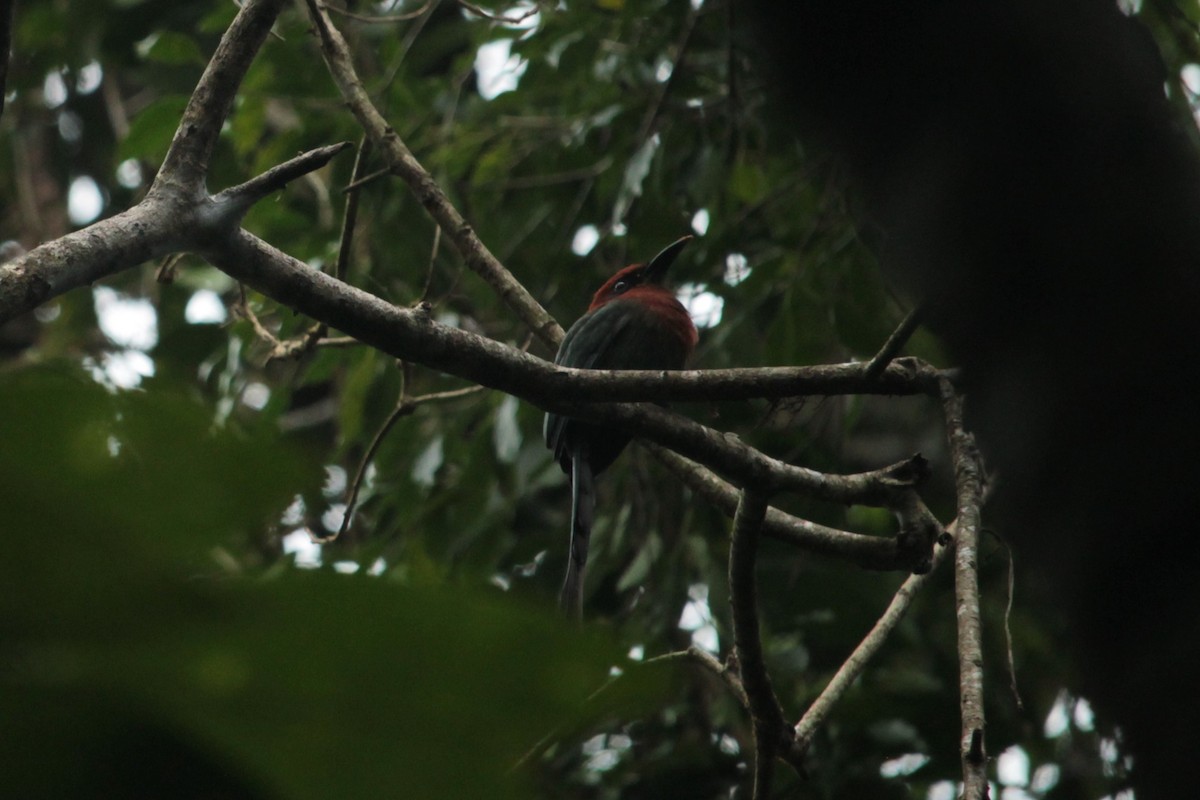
[169, 47]
[424, 471]
[150, 132]
[305, 685]
[506, 434]
[639, 568]
[635, 176]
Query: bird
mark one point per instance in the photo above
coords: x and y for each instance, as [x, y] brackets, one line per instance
[633, 322]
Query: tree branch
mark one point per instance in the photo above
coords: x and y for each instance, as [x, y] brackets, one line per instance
[176, 213]
[868, 552]
[707, 660]
[411, 335]
[891, 348]
[765, 711]
[968, 472]
[404, 164]
[238, 199]
[186, 163]
[853, 666]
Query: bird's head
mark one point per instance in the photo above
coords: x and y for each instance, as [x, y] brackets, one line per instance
[649, 276]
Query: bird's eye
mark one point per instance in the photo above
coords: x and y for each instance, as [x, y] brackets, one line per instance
[620, 287]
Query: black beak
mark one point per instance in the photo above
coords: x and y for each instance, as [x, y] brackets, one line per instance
[656, 270]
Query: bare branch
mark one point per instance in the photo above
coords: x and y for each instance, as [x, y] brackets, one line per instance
[405, 165]
[891, 348]
[765, 711]
[186, 164]
[350, 214]
[176, 213]
[853, 666]
[239, 198]
[867, 552]
[405, 406]
[81, 258]
[707, 660]
[968, 473]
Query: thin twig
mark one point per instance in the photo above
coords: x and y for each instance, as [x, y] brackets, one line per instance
[433, 254]
[243, 310]
[350, 214]
[405, 406]
[707, 660]
[165, 272]
[891, 348]
[363, 181]
[404, 164]
[339, 341]
[853, 666]
[1008, 639]
[862, 550]
[655, 108]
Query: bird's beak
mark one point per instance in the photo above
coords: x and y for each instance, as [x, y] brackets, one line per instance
[656, 270]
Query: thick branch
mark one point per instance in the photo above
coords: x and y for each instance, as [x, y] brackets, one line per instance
[143, 232]
[410, 334]
[765, 711]
[186, 163]
[968, 473]
[176, 213]
[405, 165]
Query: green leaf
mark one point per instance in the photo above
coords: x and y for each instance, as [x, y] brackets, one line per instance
[170, 47]
[133, 668]
[639, 568]
[635, 175]
[150, 132]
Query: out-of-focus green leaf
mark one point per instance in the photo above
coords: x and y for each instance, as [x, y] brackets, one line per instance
[169, 47]
[120, 640]
[150, 132]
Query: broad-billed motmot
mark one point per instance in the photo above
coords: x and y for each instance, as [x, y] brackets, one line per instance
[634, 322]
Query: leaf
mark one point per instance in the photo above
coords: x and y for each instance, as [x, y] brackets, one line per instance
[639, 569]
[748, 182]
[150, 132]
[131, 668]
[170, 47]
[424, 471]
[635, 175]
[506, 433]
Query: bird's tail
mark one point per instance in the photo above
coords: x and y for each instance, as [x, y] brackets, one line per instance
[583, 510]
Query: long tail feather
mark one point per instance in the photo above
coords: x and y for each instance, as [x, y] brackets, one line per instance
[583, 509]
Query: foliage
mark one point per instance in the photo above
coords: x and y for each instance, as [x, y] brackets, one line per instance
[154, 625]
